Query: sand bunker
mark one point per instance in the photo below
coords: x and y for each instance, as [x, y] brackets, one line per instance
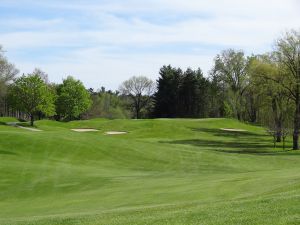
[115, 132]
[84, 130]
[233, 130]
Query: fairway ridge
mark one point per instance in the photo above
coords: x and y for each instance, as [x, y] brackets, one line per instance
[176, 172]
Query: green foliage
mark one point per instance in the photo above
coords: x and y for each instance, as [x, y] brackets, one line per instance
[7, 70]
[31, 95]
[139, 91]
[231, 69]
[181, 94]
[228, 112]
[7, 74]
[166, 97]
[107, 105]
[73, 99]
[287, 54]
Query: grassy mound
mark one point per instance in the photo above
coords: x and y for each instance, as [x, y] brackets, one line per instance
[4, 120]
[162, 172]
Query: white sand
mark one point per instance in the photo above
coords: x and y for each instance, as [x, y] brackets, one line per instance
[84, 130]
[233, 130]
[115, 132]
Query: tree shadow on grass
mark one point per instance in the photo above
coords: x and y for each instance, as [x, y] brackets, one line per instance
[213, 144]
[224, 133]
[233, 147]
[238, 142]
[3, 152]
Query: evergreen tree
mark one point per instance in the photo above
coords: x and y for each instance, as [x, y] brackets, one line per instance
[167, 96]
[181, 94]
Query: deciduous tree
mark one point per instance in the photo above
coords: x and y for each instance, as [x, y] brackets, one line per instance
[30, 94]
[73, 99]
[231, 68]
[139, 89]
[7, 73]
[288, 55]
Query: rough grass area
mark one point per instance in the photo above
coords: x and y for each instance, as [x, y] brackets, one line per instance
[4, 120]
[162, 172]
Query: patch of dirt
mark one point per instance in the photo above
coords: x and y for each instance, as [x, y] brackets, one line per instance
[233, 130]
[15, 124]
[11, 123]
[115, 132]
[84, 130]
[28, 128]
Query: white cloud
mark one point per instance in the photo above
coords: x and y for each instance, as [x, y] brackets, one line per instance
[99, 35]
[97, 69]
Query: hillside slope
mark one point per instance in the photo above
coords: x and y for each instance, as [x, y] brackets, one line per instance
[162, 171]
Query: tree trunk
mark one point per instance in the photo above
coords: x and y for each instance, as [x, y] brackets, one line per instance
[253, 110]
[278, 136]
[137, 107]
[137, 112]
[278, 130]
[239, 116]
[253, 116]
[278, 118]
[31, 120]
[296, 124]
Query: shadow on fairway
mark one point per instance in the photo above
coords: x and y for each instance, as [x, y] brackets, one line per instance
[224, 133]
[243, 143]
[233, 147]
[7, 153]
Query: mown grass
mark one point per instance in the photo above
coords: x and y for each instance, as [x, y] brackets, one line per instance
[163, 171]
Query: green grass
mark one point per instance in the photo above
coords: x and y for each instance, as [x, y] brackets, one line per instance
[162, 172]
[4, 120]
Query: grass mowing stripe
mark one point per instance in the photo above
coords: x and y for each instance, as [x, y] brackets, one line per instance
[180, 171]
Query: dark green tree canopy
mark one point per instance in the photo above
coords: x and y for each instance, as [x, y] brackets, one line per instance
[166, 97]
[181, 94]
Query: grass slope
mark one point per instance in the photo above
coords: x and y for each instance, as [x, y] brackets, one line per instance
[162, 172]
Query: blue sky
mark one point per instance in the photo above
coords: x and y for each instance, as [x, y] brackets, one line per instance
[105, 42]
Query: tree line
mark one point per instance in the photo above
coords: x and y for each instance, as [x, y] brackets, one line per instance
[262, 89]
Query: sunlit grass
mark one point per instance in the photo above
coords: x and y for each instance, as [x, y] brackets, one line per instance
[161, 172]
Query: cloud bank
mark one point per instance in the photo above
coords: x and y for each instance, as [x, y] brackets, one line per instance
[105, 42]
